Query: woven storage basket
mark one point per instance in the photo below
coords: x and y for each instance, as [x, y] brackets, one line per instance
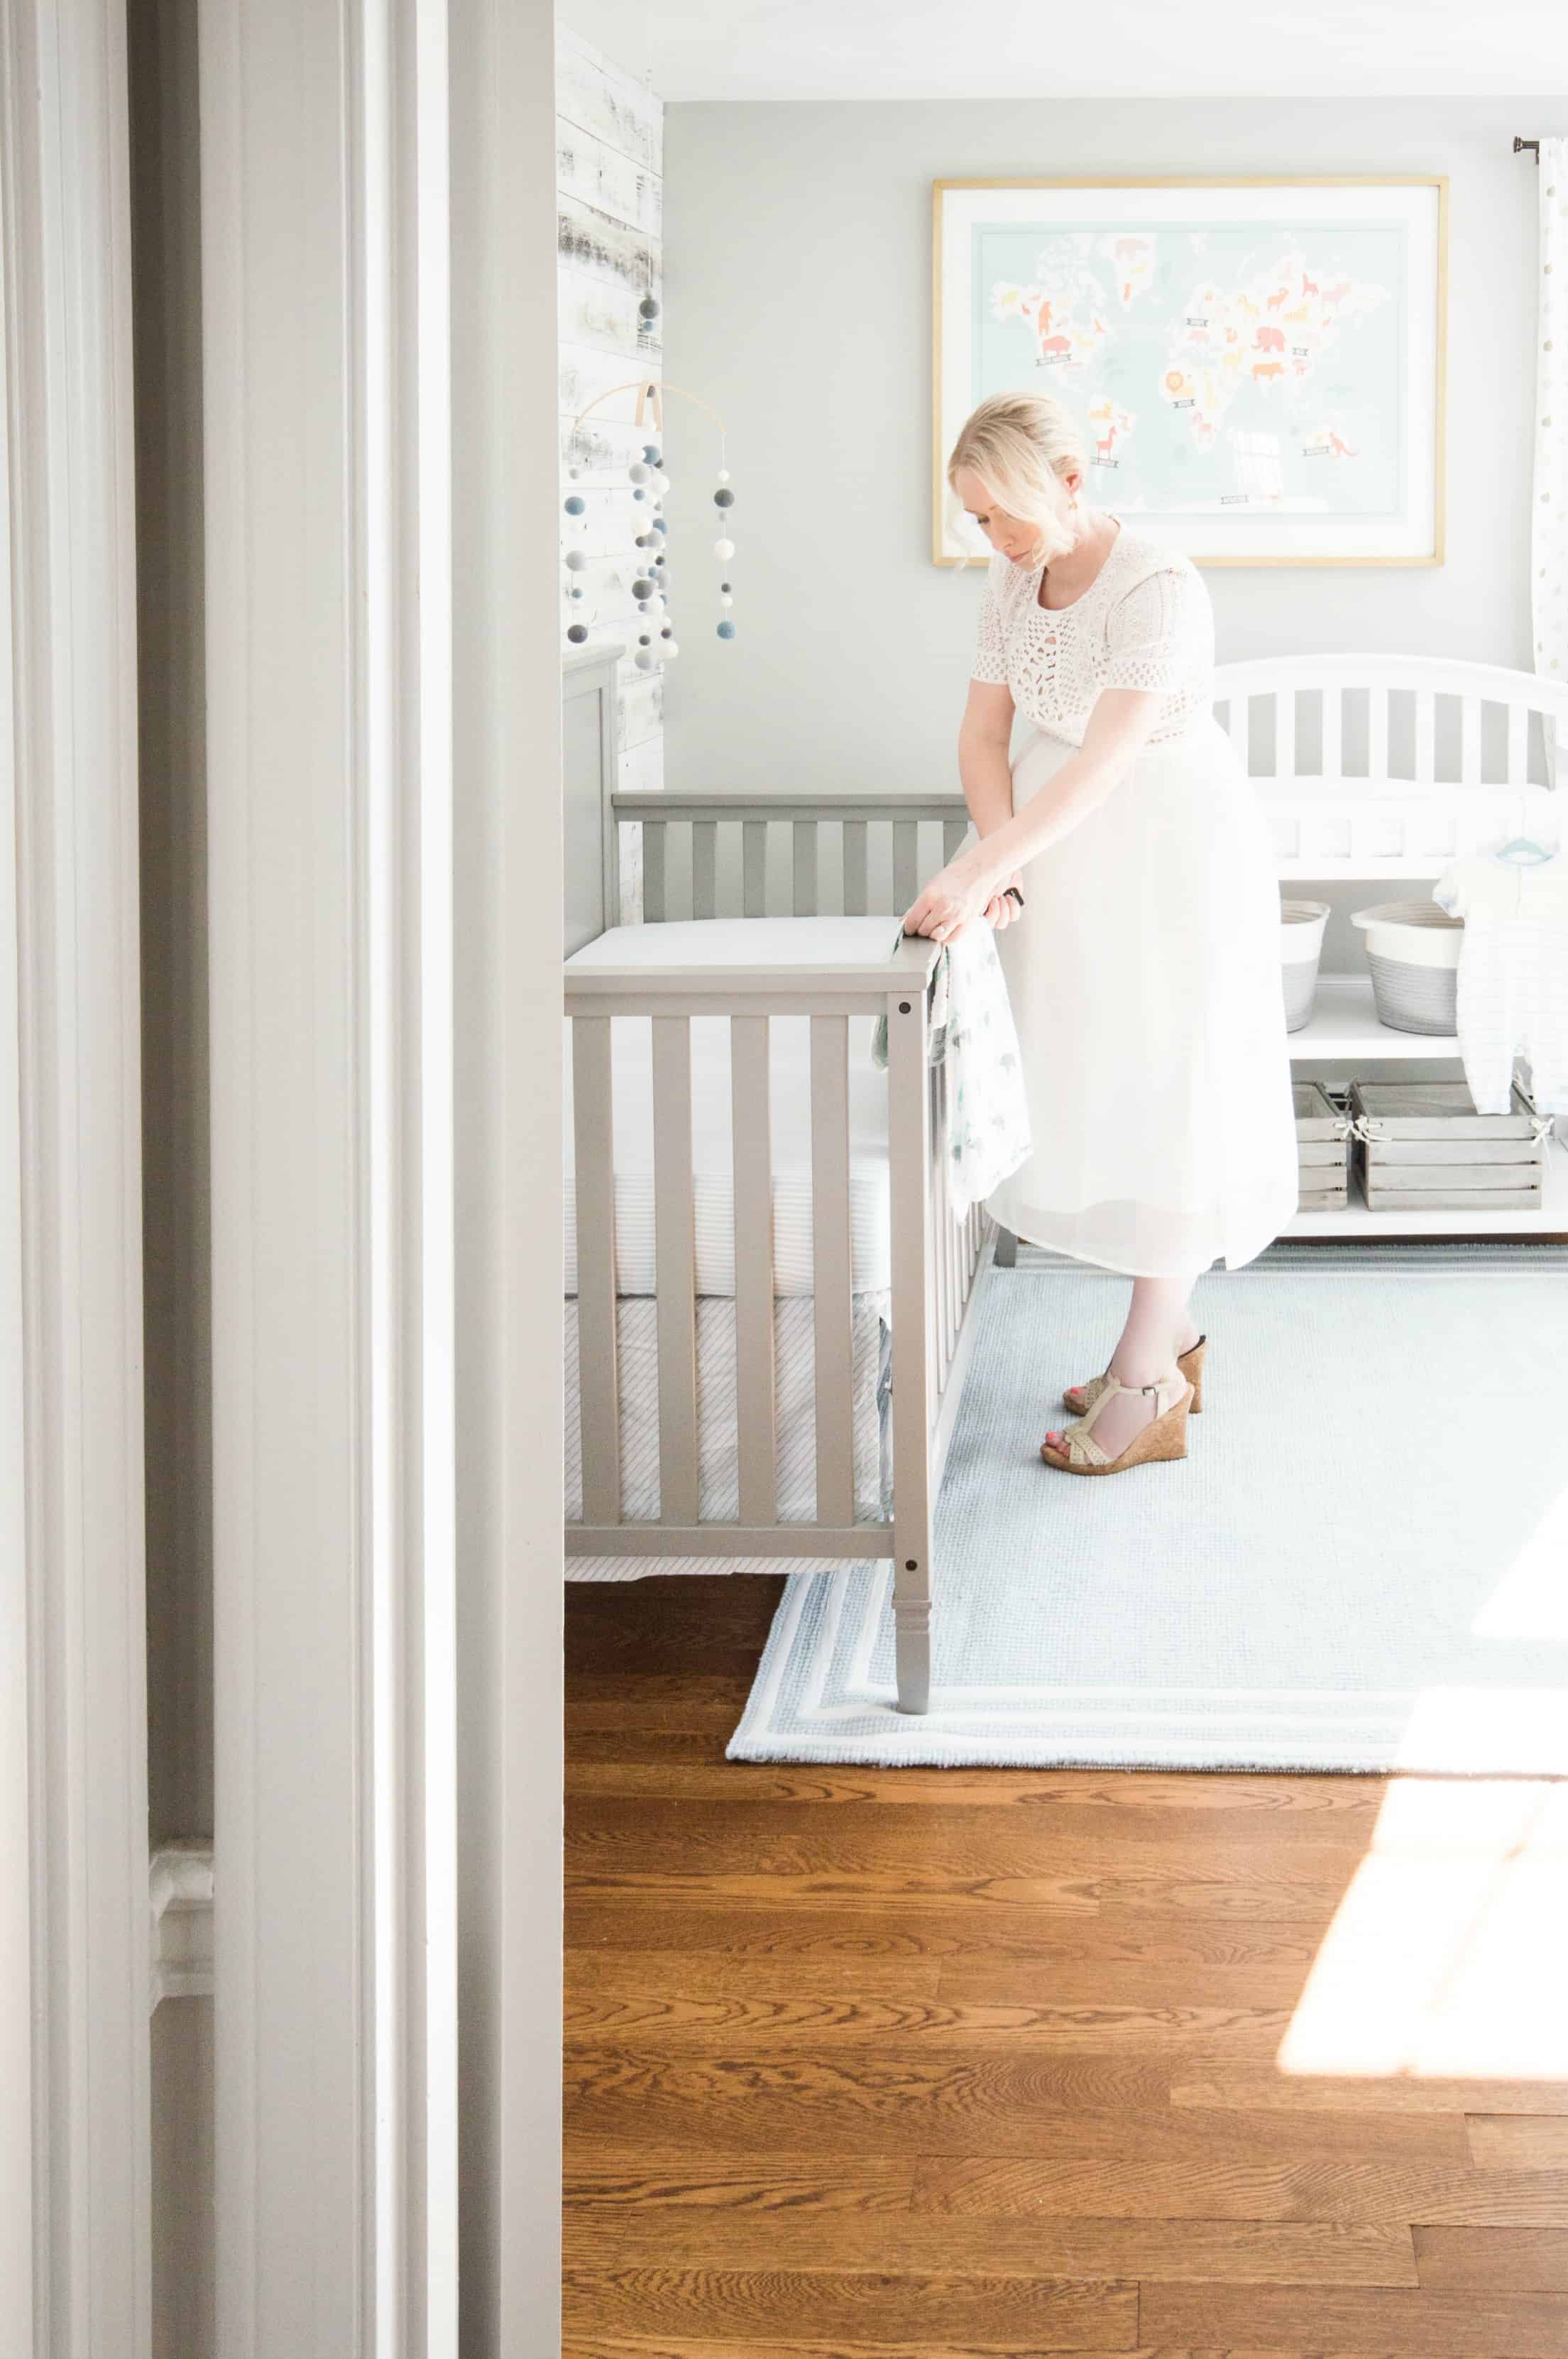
[1421, 1145]
[1412, 949]
[1323, 1149]
[1301, 927]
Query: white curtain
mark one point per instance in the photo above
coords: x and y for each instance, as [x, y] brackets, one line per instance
[1548, 549]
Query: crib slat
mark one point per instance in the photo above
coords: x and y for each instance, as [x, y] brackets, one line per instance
[754, 867]
[753, 1161]
[653, 833]
[675, 1269]
[1332, 755]
[805, 899]
[1376, 731]
[1237, 710]
[1426, 736]
[1285, 732]
[831, 1268]
[1470, 741]
[1519, 745]
[953, 832]
[593, 1119]
[704, 847]
[854, 895]
[906, 862]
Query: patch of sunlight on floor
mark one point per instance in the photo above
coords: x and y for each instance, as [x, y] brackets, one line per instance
[1532, 1602]
[1446, 1955]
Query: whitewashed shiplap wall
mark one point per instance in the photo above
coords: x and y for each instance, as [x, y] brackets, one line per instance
[610, 141]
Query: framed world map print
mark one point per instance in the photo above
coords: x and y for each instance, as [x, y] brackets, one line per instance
[1255, 366]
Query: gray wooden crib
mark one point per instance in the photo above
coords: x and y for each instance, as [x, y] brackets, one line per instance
[708, 856]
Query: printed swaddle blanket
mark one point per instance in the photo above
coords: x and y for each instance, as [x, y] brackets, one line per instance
[972, 1036]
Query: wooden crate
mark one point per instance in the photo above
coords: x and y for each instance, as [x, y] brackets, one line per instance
[1323, 1149]
[1421, 1145]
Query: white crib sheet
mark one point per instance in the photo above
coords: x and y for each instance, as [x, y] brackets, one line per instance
[755, 941]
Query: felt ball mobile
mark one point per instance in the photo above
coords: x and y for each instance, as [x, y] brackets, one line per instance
[656, 640]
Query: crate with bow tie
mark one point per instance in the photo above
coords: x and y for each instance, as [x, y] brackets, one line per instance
[1421, 1145]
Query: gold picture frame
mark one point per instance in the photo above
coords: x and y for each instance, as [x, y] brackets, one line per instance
[1423, 322]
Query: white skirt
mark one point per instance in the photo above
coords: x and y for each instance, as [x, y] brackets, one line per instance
[1145, 981]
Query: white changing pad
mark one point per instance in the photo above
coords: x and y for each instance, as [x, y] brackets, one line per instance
[756, 942]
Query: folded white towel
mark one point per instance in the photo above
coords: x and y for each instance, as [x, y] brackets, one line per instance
[1513, 976]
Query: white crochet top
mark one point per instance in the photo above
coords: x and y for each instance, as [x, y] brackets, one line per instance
[1145, 621]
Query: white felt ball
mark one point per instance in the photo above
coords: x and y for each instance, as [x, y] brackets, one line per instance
[638, 471]
[646, 659]
[671, 648]
[724, 548]
[726, 599]
[661, 483]
[723, 475]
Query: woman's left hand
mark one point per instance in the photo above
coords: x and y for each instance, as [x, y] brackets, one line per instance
[955, 897]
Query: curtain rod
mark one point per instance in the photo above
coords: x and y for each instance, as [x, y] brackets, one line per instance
[1528, 146]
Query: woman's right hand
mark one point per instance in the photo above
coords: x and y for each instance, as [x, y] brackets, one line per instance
[1000, 910]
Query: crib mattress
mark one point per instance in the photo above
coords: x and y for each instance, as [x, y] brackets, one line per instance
[757, 941]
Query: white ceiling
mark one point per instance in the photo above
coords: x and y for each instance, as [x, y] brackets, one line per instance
[1108, 49]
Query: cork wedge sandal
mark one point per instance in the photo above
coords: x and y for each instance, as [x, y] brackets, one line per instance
[1165, 1436]
[1080, 1398]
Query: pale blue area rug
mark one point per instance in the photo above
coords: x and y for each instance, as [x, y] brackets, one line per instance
[1361, 1565]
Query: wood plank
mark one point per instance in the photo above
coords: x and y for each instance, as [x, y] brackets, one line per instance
[599, 1978]
[1332, 760]
[654, 831]
[675, 1264]
[805, 868]
[873, 2309]
[1219, 2187]
[832, 1267]
[1492, 2260]
[704, 852]
[1395, 2324]
[754, 867]
[594, 1129]
[752, 1150]
[1237, 2251]
[906, 863]
[768, 2020]
[855, 904]
[1247, 2086]
[610, 2179]
[1085, 2108]
[1518, 2141]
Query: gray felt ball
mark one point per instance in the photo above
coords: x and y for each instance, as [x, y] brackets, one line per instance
[726, 630]
[575, 559]
[642, 589]
[644, 659]
[648, 308]
[577, 633]
[638, 471]
[722, 499]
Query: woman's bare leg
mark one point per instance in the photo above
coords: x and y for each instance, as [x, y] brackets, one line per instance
[1158, 1326]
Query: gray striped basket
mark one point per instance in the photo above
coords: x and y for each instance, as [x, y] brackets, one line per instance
[1413, 949]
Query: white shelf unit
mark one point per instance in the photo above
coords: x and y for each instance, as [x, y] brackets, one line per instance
[1497, 734]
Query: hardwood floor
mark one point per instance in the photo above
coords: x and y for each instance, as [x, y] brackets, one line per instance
[932, 2065]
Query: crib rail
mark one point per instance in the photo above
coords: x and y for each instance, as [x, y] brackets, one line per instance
[721, 843]
[935, 1262]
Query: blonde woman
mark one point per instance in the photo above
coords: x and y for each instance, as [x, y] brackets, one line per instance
[1124, 859]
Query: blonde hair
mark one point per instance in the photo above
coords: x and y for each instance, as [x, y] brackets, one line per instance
[1013, 443]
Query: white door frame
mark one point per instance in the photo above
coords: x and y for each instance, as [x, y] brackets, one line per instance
[356, 286]
[74, 1953]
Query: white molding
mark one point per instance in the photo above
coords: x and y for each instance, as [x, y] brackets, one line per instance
[179, 1896]
[508, 709]
[328, 454]
[73, 1613]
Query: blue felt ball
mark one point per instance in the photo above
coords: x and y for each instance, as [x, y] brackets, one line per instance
[658, 525]
[650, 453]
[577, 633]
[640, 494]
[575, 507]
[578, 594]
[726, 630]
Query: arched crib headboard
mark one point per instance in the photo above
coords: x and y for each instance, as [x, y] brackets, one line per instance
[1392, 766]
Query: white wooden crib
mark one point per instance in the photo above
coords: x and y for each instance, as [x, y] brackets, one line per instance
[1371, 767]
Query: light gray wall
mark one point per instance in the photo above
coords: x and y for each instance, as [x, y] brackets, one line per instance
[798, 283]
